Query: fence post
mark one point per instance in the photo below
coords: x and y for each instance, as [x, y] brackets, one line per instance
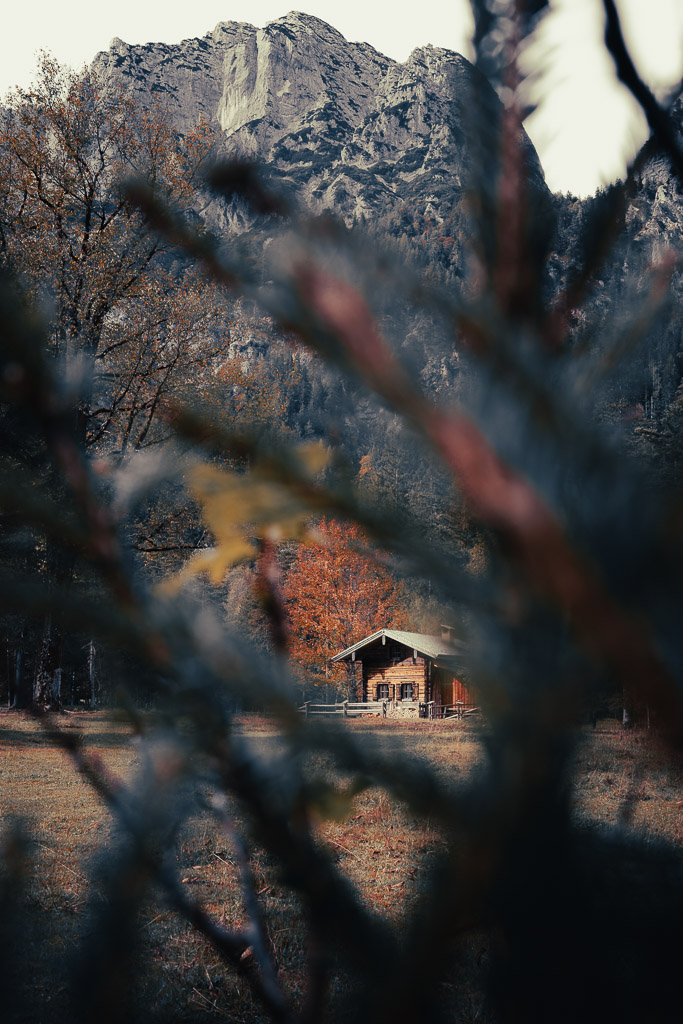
[306, 703]
[346, 709]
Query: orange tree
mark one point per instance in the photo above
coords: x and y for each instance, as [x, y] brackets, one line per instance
[336, 593]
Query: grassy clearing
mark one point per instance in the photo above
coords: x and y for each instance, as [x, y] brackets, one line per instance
[619, 777]
[629, 779]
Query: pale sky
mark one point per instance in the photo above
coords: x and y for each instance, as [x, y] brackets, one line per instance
[585, 128]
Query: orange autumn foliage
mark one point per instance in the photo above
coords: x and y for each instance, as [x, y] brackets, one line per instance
[335, 595]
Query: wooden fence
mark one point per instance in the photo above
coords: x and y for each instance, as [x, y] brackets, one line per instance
[352, 709]
[348, 709]
[458, 710]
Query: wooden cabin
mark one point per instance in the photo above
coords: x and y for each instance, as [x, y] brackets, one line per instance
[413, 667]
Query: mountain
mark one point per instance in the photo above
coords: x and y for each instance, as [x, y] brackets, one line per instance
[654, 216]
[392, 145]
[344, 126]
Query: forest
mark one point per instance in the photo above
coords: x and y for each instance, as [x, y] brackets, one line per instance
[223, 459]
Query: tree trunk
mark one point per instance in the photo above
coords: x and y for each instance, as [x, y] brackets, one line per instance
[91, 673]
[16, 687]
[49, 668]
[23, 684]
[60, 576]
[57, 688]
[10, 671]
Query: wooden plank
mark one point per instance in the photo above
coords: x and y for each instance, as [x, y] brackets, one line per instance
[397, 671]
[393, 676]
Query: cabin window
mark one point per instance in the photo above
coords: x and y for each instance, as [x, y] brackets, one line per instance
[383, 691]
[407, 690]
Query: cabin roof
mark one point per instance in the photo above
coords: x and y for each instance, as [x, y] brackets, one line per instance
[431, 646]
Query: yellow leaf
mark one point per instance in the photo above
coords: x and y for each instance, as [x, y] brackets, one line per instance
[238, 507]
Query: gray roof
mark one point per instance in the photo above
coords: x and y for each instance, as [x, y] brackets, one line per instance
[432, 646]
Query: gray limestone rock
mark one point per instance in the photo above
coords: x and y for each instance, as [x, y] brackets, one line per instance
[654, 214]
[341, 125]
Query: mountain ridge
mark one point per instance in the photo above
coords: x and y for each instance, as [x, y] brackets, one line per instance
[348, 128]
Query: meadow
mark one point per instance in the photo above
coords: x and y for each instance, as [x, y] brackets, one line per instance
[621, 780]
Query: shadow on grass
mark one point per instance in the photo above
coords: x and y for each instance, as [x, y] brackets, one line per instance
[24, 738]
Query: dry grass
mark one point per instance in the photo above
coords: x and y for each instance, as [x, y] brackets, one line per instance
[628, 779]
[619, 778]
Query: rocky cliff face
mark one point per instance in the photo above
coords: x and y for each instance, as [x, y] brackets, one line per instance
[351, 129]
[654, 216]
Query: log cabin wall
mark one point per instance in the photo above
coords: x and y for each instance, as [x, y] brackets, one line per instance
[388, 670]
[448, 689]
